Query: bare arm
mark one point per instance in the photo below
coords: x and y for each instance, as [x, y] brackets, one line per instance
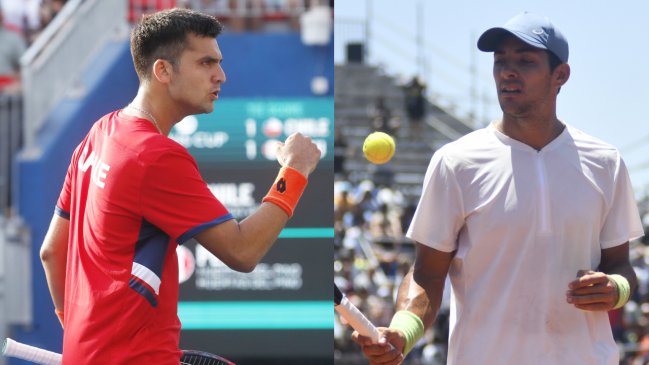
[54, 252]
[421, 293]
[422, 289]
[593, 290]
[241, 245]
[615, 260]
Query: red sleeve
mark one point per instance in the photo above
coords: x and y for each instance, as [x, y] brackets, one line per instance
[65, 197]
[176, 199]
[63, 204]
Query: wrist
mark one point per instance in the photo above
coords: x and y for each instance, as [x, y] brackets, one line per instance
[410, 325]
[287, 189]
[623, 289]
[303, 170]
[59, 315]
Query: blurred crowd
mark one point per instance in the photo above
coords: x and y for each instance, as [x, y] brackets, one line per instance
[20, 24]
[21, 21]
[256, 15]
[372, 255]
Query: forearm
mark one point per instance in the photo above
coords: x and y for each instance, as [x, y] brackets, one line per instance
[616, 261]
[625, 270]
[420, 294]
[241, 245]
[418, 301]
[53, 254]
[259, 231]
[55, 274]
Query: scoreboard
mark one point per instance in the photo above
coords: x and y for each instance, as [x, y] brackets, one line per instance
[286, 299]
[247, 130]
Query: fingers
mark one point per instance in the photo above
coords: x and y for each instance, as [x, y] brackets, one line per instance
[299, 152]
[592, 291]
[382, 353]
[587, 278]
[360, 339]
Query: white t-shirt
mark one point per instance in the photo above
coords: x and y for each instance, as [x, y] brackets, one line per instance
[523, 223]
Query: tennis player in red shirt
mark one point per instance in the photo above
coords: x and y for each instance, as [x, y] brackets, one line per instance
[131, 195]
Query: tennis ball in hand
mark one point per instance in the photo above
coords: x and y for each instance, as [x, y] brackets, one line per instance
[378, 148]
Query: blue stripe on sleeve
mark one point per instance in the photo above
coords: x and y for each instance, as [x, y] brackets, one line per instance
[200, 228]
[143, 291]
[151, 247]
[62, 213]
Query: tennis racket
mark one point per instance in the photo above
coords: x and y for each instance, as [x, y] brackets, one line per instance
[191, 357]
[356, 319]
[12, 348]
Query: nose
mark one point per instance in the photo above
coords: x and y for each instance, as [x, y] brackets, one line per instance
[505, 70]
[219, 77]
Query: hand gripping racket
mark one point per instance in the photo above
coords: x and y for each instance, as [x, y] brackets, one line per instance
[37, 355]
[356, 319]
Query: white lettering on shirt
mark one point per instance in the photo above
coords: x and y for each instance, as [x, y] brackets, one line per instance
[99, 173]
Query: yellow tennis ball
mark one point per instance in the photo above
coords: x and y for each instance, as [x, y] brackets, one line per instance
[378, 148]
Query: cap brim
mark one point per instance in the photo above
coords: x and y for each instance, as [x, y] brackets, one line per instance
[490, 39]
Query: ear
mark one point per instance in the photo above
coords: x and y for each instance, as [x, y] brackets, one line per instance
[562, 74]
[162, 70]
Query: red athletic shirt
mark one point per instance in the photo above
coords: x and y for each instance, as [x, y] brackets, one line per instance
[131, 195]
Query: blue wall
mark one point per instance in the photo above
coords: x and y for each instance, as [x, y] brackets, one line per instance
[276, 65]
[256, 65]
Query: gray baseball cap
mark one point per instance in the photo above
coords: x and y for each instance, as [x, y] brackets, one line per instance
[535, 30]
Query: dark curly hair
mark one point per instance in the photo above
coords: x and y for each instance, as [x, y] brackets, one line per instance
[163, 35]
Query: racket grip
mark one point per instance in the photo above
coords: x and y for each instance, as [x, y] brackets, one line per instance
[30, 353]
[357, 320]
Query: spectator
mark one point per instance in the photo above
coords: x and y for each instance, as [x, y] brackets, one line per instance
[381, 117]
[415, 105]
[12, 46]
[341, 151]
[246, 15]
[385, 222]
[343, 204]
[23, 16]
[217, 8]
[49, 10]
[137, 8]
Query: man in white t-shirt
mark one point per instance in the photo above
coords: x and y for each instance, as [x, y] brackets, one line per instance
[529, 218]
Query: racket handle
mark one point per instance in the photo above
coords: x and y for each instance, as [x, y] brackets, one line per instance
[30, 353]
[357, 320]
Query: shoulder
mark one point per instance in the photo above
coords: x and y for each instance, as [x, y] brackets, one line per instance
[585, 140]
[598, 159]
[475, 146]
[159, 148]
[144, 138]
[593, 148]
[136, 140]
[479, 138]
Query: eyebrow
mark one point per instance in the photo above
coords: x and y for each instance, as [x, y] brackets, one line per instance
[210, 59]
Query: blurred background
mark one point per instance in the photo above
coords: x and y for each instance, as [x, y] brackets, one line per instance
[414, 71]
[64, 64]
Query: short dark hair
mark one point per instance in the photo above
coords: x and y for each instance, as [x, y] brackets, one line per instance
[163, 35]
[554, 61]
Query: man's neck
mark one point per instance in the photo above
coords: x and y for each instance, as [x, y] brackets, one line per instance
[156, 105]
[536, 133]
